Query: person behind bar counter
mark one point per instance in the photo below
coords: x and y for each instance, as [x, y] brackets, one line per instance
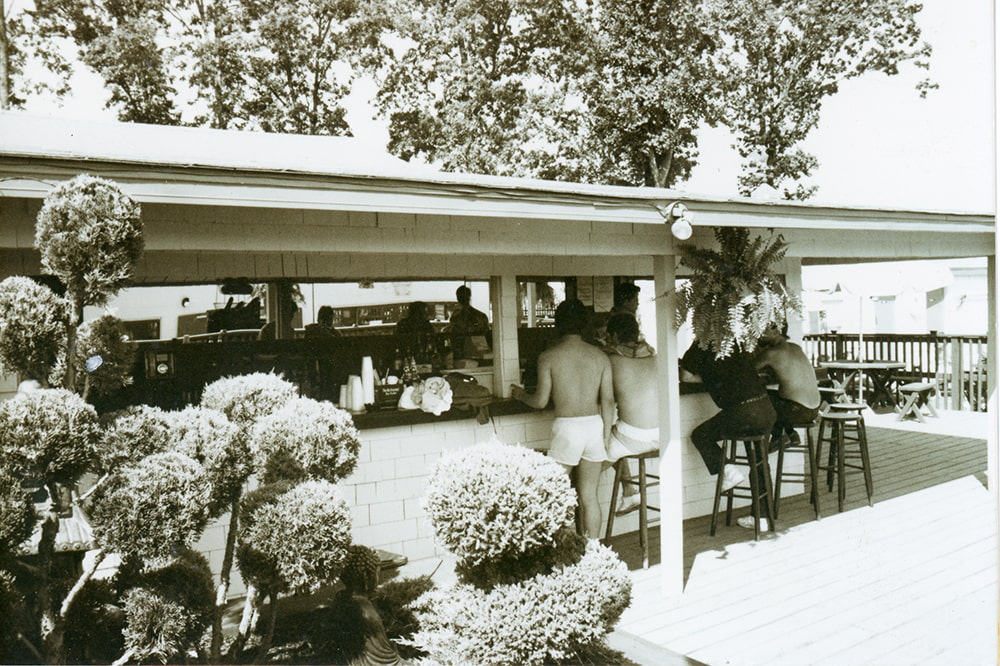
[415, 331]
[577, 377]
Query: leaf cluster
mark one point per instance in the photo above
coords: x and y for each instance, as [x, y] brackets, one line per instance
[33, 324]
[733, 293]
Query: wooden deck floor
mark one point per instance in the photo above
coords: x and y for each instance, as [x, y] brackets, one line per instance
[912, 580]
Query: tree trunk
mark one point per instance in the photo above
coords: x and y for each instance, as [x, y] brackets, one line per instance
[251, 608]
[70, 377]
[52, 627]
[224, 577]
[4, 59]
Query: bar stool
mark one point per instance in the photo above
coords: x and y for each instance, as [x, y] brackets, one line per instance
[621, 467]
[812, 475]
[842, 429]
[755, 458]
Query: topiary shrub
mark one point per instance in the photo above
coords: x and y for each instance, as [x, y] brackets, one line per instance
[493, 500]
[168, 612]
[33, 324]
[132, 434]
[104, 357]
[301, 534]
[207, 436]
[49, 434]
[530, 590]
[246, 398]
[17, 513]
[152, 507]
[95, 625]
[305, 438]
[542, 620]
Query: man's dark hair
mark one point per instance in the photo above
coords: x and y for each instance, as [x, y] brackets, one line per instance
[625, 292]
[325, 315]
[571, 317]
[463, 294]
[624, 327]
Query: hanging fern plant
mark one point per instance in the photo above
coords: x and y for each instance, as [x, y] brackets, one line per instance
[733, 295]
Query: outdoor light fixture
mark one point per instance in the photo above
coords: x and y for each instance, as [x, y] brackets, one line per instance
[679, 218]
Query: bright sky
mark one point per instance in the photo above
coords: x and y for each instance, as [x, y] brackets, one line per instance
[878, 143]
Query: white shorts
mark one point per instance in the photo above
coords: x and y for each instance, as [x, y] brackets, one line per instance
[577, 437]
[627, 440]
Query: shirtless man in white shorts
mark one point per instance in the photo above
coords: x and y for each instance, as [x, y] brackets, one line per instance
[638, 428]
[577, 377]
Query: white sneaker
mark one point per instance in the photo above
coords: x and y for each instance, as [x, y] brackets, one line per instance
[747, 522]
[732, 476]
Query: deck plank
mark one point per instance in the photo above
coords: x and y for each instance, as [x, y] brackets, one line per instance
[911, 580]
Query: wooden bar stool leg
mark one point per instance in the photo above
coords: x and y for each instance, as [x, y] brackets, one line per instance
[643, 535]
[841, 480]
[730, 459]
[772, 516]
[777, 481]
[754, 490]
[863, 443]
[813, 452]
[614, 497]
[718, 490]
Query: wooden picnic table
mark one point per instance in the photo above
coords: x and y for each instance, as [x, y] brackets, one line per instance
[845, 373]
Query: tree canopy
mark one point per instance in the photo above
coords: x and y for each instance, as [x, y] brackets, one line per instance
[603, 91]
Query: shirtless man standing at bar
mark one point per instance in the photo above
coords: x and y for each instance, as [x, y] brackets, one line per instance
[577, 377]
[637, 430]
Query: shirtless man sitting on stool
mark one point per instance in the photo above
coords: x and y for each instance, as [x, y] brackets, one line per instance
[797, 399]
[577, 377]
[634, 373]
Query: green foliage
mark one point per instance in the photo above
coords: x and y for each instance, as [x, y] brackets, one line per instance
[294, 540]
[132, 434]
[566, 549]
[478, 86]
[784, 58]
[32, 327]
[106, 338]
[168, 612]
[207, 436]
[649, 87]
[544, 619]
[392, 600]
[152, 507]
[94, 625]
[13, 613]
[17, 513]
[50, 434]
[90, 235]
[314, 439]
[246, 398]
[733, 294]
[495, 500]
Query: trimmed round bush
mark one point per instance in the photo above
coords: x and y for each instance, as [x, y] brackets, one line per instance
[90, 235]
[495, 500]
[213, 440]
[246, 398]
[33, 324]
[132, 434]
[314, 439]
[168, 612]
[545, 619]
[107, 338]
[17, 513]
[48, 433]
[152, 507]
[297, 540]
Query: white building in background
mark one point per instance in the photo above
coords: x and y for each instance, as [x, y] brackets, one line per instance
[908, 297]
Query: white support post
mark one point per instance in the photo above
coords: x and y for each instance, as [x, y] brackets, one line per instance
[992, 472]
[506, 363]
[672, 480]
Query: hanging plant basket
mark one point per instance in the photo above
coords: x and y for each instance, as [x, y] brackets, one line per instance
[733, 294]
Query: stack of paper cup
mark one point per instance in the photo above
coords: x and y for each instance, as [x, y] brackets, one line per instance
[344, 400]
[368, 380]
[356, 393]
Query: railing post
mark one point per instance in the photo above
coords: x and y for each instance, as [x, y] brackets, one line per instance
[956, 374]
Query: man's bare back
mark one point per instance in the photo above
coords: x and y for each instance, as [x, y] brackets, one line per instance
[575, 372]
[636, 390]
[795, 374]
